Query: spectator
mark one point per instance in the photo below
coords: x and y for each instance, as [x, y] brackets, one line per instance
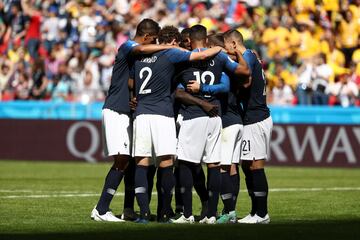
[58, 90]
[344, 92]
[303, 89]
[321, 75]
[51, 29]
[282, 94]
[349, 35]
[32, 37]
[17, 23]
[87, 93]
[5, 73]
[40, 80]
[22, 86]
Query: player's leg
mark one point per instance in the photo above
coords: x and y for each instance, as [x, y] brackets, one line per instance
[143, 152]
[200, 188]
[227, 196]
[116, 132]
[234, 170]
[164, 138]
[167, 183]
[186, 182]
[213, 158]
[190, 150]
[129, 181]
[257, 146]
[235, 179]
[159, 195]
[150, 176]
[141, 188]
[179, 206]
[261, 188]
[245, 166]
[214, 187]
[230, 153]
[260, 185]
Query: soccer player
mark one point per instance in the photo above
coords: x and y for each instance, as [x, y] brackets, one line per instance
[200, 134]
[257, 130]
[185, 39]
[230, 136]
[115, 113]
[154, 125]
[199, 175]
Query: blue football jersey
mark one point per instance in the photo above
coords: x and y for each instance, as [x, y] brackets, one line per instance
[230, 107]
[117, 98]
[253, 98]
[154, 76]
[206, 72]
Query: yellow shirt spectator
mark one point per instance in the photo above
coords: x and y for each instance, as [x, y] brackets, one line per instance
[277, 41]
[349, 34]
[309, 46]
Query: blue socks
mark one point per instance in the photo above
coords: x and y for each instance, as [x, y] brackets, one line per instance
[167, 186]
[112, 182]
[214, 186]
[227, 192]
[141, 190]
[261, 190]
[186, 182]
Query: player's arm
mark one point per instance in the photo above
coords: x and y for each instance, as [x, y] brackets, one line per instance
[242, 67]
[131, 85]
[175, 55]
[149, 48]
[188, 99]
[250, 59]
[222, 87]
[208, 53]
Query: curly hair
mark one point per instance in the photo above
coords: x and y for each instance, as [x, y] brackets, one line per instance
[168, 34]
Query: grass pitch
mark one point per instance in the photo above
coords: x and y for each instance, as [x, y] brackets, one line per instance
[43, 200]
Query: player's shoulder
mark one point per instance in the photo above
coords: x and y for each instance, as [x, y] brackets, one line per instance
[127, 46]
[250, 53]
[224, 57]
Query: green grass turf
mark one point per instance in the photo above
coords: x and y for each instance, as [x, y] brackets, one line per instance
[294, 214]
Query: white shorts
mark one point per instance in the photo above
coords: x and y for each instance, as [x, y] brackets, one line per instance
[200, 137]
[116, 132]
[255, 142]
[154, 134]
[230, 144]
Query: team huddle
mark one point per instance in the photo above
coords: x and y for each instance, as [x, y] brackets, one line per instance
[189, 100]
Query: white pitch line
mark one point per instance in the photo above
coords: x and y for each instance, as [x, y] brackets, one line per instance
[64, 194]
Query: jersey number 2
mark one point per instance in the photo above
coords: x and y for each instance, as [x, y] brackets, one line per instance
[147, 78]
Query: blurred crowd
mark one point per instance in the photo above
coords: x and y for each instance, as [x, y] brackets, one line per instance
[64, 50]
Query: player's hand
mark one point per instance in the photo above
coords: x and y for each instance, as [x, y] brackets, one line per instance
[211, 109]
[133, 104]
[193, 86]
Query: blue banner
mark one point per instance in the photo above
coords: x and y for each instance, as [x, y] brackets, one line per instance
[78, 111]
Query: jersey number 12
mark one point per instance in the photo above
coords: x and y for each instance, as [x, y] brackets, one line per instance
[201, 78]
